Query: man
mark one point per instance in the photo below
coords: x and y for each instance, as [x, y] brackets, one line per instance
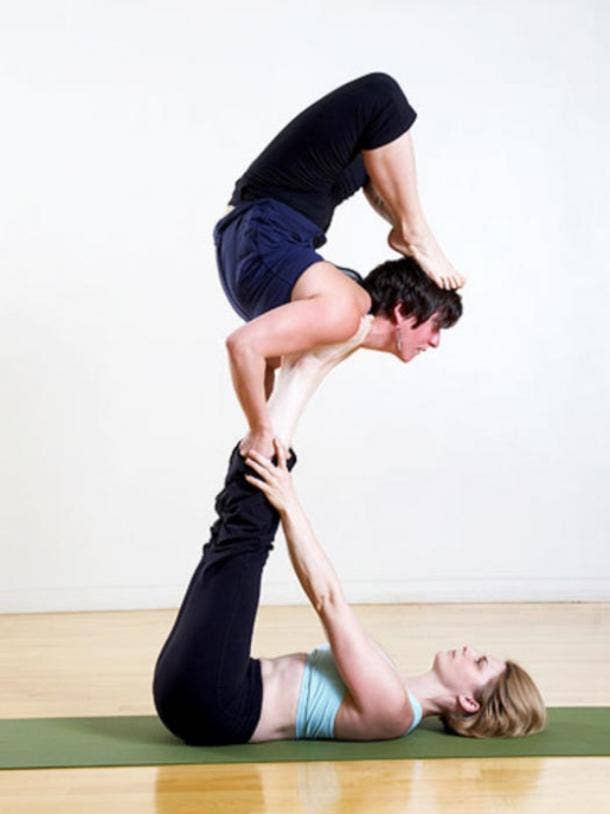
[293, 299]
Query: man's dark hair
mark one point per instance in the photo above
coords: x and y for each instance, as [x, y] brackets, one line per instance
[403, 281]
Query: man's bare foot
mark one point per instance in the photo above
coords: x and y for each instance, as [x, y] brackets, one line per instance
[430, 257]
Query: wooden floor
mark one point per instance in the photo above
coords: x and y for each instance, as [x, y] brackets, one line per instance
[101, 664]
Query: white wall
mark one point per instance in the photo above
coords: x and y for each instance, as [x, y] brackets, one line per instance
[476, 472]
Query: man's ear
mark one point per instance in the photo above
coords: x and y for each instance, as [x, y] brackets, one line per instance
[397, 315]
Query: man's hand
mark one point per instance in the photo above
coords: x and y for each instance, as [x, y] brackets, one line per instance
[259, 440]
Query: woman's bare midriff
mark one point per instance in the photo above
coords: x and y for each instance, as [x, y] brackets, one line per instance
[281, 684]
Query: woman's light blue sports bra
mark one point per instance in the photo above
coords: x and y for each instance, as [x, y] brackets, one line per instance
[322, 691]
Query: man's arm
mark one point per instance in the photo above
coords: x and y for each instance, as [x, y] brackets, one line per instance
[293, 328]
[301, 375]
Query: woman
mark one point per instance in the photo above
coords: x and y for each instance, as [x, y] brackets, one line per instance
[292, 299]
[209, 690]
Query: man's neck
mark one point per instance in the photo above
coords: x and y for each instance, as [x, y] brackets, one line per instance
[381, 334]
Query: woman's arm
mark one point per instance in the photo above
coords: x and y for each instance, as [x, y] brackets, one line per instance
[375, 687]
[312, 567]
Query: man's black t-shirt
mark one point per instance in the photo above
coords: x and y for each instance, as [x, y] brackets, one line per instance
[314, 163]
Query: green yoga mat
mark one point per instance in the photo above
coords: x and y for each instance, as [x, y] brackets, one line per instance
[143, 741]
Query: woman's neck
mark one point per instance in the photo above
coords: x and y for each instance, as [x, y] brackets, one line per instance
[429, 691]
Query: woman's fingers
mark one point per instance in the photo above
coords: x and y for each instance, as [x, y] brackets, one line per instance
[260, 484]
[261, 460]
[262, 470]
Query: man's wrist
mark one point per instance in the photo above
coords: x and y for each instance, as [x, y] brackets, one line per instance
[261, 429]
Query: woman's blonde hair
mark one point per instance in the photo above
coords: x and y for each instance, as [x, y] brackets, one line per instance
[511, 706]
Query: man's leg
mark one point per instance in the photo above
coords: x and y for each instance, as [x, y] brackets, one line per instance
[392, 172]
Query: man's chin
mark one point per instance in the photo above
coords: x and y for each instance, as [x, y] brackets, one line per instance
[408, 358]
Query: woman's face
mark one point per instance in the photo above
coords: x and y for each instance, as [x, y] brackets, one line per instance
[465, 671]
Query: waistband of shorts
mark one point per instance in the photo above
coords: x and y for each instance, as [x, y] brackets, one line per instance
[298, 218]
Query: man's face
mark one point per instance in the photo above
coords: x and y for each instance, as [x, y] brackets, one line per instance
[411, 340]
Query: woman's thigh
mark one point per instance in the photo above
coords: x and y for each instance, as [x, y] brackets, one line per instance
[207, 688]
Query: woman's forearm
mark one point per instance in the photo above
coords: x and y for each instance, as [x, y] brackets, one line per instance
[314, 570]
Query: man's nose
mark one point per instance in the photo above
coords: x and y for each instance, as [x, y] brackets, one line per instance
[435, 340]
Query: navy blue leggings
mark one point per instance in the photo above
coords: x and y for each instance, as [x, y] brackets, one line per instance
[207, 689]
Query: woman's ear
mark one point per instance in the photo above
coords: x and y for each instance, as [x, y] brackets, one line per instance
[468, 704]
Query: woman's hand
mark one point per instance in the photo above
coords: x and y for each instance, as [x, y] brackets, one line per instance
[276, 481]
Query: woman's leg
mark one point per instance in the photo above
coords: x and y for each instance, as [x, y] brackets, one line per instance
[207, 688]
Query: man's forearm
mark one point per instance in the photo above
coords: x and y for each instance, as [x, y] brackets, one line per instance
[248, 372]
[314, 570]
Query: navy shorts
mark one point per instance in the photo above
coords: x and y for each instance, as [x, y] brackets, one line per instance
[262, 248]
